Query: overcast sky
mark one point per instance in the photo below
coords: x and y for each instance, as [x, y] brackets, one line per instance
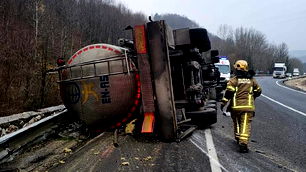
[280, 20]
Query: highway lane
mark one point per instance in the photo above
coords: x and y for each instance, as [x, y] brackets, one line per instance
[272, 89]
[278, 141]
[284, 131]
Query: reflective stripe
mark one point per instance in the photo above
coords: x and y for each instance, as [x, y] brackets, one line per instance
[250, 96]
[242, 107]
[231, 88]
[234, 99]
[225, 99]
[237, 126]
[244, 124]
[148, 123]
[257, 89]
[251, 89]
[243, 138]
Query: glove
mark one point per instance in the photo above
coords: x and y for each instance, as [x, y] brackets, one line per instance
[224, 111]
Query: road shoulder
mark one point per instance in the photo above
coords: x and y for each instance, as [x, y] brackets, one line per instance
[296, 83]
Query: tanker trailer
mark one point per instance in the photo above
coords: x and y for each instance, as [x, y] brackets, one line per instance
[100, 85]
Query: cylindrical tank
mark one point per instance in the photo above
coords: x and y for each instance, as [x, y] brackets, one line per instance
[96, 85]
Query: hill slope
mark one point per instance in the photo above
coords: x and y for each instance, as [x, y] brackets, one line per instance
[176, 21]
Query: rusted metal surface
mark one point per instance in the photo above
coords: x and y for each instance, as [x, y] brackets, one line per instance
[182, 37]
[146, 83]
[160, 62]
[99, 85]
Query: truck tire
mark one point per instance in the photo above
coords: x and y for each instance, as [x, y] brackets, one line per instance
[203, 118]
[212, 94]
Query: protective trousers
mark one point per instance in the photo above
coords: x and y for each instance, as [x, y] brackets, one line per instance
[242, 126]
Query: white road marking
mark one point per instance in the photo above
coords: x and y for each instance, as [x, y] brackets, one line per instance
[288, 107]
[277, 82]
[211, 153]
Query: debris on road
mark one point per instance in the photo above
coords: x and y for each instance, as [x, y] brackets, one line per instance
[147, 158]
[67, 150]
[125, 163]
[130, 127]
[11, 129]
[47, 153]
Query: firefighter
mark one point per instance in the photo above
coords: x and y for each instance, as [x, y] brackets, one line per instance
[241, 91]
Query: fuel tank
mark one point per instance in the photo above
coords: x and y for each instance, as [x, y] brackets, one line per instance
[100, 85]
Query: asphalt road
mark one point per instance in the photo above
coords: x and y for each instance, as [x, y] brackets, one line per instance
[278, 143]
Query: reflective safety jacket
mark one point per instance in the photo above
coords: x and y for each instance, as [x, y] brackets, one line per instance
[241, 92]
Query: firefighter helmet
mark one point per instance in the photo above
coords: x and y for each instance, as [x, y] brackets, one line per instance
[241, 65]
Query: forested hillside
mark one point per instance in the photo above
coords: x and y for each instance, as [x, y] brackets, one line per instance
[176, 21]
[34, 33]
[242, 43]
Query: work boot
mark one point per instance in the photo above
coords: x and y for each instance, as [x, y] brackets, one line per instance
[243, 148]
[237, 140]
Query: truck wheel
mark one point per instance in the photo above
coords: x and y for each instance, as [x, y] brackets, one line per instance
[212, 94]
[203, 118]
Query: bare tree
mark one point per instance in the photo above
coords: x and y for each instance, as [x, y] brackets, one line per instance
[295, 63]
[33, 33]
[250, 45]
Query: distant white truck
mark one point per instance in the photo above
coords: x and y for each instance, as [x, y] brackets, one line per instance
[279, 70]
[296, 72]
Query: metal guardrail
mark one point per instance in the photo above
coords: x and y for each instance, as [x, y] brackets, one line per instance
[12, 143]
[29, 114]
[263, 75]
[293, 78]
[7, 137]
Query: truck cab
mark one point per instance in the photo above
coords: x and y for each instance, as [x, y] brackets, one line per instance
[279, 70]
[296, 72]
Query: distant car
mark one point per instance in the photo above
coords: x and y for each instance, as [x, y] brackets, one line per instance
[288, 74]
[296, 72]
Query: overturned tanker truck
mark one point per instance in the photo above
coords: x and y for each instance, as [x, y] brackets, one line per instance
[165, 78]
